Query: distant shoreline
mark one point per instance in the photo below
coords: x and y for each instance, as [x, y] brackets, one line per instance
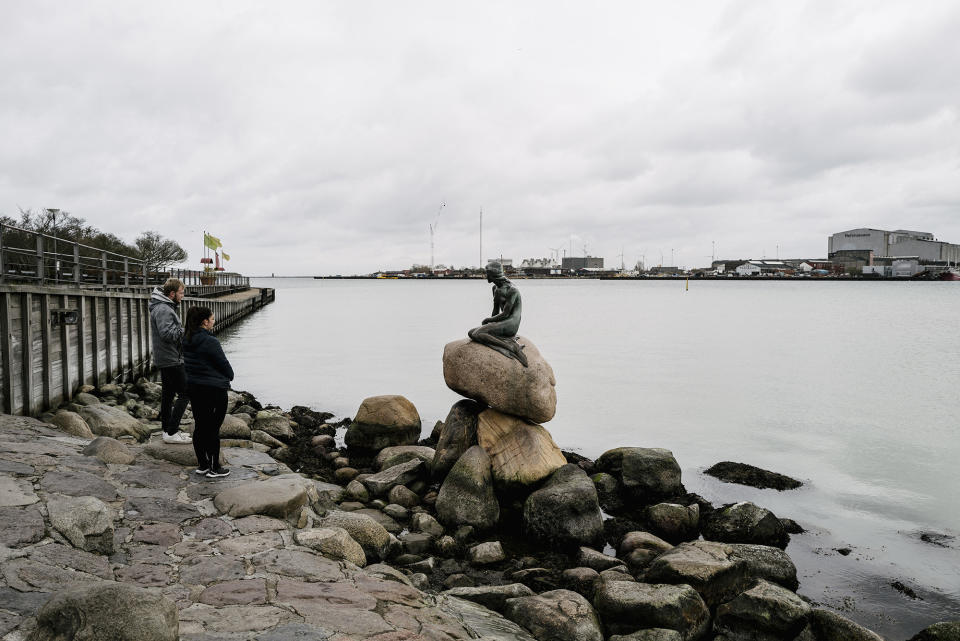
[733, 279]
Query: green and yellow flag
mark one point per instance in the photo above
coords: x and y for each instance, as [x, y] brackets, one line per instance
[211, 241]
[225, 255]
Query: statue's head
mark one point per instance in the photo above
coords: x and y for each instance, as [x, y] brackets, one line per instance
[494, 271]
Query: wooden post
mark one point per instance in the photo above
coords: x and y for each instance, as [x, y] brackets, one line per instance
[95, 343]
[103, 267]
[26, 348]
[144, 273]
[41, 270]
[3, 261]
[76, 264]
[108, 333]
[126, 271]
[65, 355]
[81, 340]
[129, 305]
[7, 353]
[46, 349]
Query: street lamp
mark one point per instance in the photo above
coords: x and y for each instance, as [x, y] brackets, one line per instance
[53, 211]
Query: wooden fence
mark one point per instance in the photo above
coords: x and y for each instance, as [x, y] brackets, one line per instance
[43, 359]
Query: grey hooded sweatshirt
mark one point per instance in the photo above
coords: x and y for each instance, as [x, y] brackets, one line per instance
[166, 331]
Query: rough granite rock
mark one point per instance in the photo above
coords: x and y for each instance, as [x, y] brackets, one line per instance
[72, 423]
[485, 375]
[109, 450]
[764, 609]
[745, 522]
[372, 537]
[234, 427]
[105, 420]
[558, 615]
[676, 523]
[334, 543]
[491, 596]
[107, 610]
[626, 607]
[390, 456]
[943, 631]
[721, 571]
[646, 474]
[521, 454]
[466, 496]
[85, 521]
[459, 434]
[564, 512]
[381, 483]
[274, 424]
[280, 497]
[384, 421]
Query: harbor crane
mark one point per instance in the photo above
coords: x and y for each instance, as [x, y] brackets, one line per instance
[433, 230]
[554, 253]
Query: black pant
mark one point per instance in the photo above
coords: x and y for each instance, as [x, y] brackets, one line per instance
[209, 407]
[174, 383]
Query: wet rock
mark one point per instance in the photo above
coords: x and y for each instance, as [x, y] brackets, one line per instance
[560, 615]
[345, 474]
[564, 512]
[590, 558]
[416, 543]
[109, 450]
[650, 634]
[764, 609]
[466, 496]
[638, 549]
[384, 421]
[617, 573]
[521, 454]
[356, 491]
[745, 523]
[459, 581]
[259, 436]
[85, 398]
[280, 496]
[721, 571]
[459, 434]
[372, 537]
[627, 607]
[20, 526]
[390, 456]
[491, 596]
[487, 553]
[396, 512]
[830, 626]
[107, 611]
[943, 631]
[676, 523]
[334, 543]
[105, 420]
[646, 474]
[85, 521]
[72, 423]
[530, 392]
[423, 522]
[608, 492]
[380, 483]
[744, 474]
[581, 580]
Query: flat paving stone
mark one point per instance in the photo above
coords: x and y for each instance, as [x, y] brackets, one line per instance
[20, 526]
[9, 621]
[191, 548]
[162, 534]
[68, 557]
[240, 592]
[19, 469]
[78, 483]
[14, 492]
[209, 528]
[206, 570]
[25, 603]
[146, 575]
[247, 457]
[148, 553]
[231, 619]
[153, 476]
[296, 632]
[259, 523]
[251, 543]
[85, 463]
[209, 488]
[158, 509]
[300, 563]
[28, 575]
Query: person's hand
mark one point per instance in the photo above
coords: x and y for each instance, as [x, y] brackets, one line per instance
[486, 320]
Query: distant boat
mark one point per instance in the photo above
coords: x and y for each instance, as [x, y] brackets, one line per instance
[950, 274]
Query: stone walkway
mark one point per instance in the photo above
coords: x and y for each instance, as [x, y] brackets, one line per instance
[71, 513]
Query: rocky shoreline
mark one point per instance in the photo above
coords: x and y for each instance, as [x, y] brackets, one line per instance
[359, 530]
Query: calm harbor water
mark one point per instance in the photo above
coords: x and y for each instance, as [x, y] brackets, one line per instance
[850, 387]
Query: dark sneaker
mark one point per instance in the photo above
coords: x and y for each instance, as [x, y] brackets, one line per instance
[217, 472]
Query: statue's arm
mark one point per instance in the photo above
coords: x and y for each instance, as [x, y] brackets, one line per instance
[508, 308]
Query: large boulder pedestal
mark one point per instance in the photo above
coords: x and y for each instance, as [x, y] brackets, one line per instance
[485, 375]
[384, 421]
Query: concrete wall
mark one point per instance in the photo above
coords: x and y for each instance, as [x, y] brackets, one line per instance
[42, 364]
[875, 239]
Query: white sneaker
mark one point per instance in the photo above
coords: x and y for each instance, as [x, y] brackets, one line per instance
[179, 437]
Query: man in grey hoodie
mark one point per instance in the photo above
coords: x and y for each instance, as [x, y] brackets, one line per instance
[166, 333]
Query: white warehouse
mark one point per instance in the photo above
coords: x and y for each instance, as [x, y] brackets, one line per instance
[901, 242]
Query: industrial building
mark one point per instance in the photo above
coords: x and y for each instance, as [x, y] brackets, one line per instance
[582, 262]
[890, 244]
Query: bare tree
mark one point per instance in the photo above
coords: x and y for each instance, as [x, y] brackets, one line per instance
[157, 251]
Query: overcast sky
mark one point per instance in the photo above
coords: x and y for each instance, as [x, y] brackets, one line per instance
[321, 137]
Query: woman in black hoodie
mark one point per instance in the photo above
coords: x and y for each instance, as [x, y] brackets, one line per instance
[208, 379]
